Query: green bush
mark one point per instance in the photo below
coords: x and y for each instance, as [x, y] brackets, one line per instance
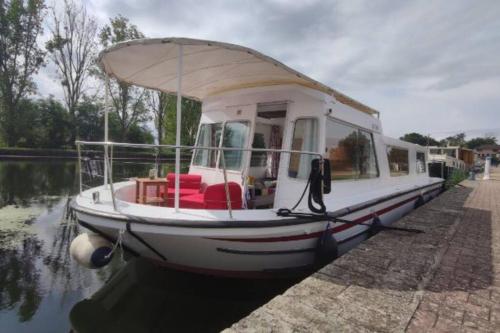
[456, 177]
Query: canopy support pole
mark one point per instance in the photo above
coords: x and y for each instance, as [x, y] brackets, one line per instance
[178, 129]
[106, 131]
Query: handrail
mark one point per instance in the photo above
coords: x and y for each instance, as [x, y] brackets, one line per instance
[146, 145]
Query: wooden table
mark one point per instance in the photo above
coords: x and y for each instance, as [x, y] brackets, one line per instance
[142, 196]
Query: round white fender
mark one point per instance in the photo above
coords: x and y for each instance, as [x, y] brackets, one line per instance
[91, 250]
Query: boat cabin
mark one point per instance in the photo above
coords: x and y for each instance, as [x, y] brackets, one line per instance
[290, 118]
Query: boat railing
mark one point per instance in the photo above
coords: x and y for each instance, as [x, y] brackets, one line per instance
[107, 176]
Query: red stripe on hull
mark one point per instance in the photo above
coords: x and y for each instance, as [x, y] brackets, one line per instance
[317, 234]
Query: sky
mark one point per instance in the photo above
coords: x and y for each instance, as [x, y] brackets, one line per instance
[431, 67]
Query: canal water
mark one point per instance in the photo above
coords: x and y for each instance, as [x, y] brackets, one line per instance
[40, 284]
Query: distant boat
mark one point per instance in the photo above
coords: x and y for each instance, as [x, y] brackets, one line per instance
[443, 161]
[284, 173]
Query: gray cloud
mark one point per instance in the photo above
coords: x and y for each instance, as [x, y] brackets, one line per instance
[428, 66]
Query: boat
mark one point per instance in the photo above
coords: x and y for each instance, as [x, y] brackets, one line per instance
[445, 161]
[285, 172]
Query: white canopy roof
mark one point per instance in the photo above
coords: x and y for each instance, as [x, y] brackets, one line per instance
[209, 68]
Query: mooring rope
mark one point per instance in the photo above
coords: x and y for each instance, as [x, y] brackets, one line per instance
[118, 244]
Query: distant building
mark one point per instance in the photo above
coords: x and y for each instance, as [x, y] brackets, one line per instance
[487, 150]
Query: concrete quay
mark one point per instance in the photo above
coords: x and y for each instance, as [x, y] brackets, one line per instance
[444, 280]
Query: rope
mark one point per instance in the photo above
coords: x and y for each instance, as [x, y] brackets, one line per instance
[118, 243]
[285, 212]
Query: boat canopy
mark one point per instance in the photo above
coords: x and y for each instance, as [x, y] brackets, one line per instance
[208, 68]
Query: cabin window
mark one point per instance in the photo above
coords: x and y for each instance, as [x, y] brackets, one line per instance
[420, 162]
[305, 138]
[259, 158]
[351, 152]
[235, 136]
[398, 161]
[209, 136]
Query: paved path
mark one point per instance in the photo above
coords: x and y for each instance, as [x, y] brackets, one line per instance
[445, 280]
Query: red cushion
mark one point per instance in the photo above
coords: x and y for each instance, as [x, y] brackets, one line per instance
[191, 201]
[214, 197]
[182, 192]
[185, 181]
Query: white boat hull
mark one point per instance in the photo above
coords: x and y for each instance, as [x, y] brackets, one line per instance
[248, 251]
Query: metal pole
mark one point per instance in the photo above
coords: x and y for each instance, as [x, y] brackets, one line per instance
[226, 186]
[111, 162]
[106, 134]
[79, 165]
[112, 190]
[178, 129]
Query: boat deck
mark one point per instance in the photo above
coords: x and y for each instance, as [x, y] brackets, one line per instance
[446, 279]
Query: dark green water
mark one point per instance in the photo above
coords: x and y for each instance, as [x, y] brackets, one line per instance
[40, 283]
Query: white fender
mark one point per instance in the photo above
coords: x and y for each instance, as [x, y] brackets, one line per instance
[91, 250]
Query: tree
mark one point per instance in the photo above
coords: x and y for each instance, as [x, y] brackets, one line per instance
[455, 140]
[45, 122]
[55, 124]
[190, 118]
[419, 139]
[128, 100]
[91, 120]
[159, 103]
[90, 117]
[72, 47]
[20, 58]
[477, 142]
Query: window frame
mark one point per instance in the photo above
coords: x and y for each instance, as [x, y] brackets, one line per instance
[197, 142]
[245, 145]
[294, 122]
[358, 128]
[416, 162]
[407, 156]
[217, 159]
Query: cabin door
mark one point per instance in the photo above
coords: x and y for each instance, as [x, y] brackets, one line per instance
[264, 166]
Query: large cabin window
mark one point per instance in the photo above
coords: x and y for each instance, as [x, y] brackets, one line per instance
[351, 152]
[398, 161]
[235, 136]
[305, 138]
[209, 136]
[420, 162]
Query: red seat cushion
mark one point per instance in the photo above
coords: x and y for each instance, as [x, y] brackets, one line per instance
[191, 201]
[185, 181]
[182, 191]
[188, 185]
[214, 197]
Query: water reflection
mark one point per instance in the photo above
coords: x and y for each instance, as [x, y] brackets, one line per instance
[20, 279]
[23, 181]
[144, 297]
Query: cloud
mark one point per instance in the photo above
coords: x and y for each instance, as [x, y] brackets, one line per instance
[428, 66]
